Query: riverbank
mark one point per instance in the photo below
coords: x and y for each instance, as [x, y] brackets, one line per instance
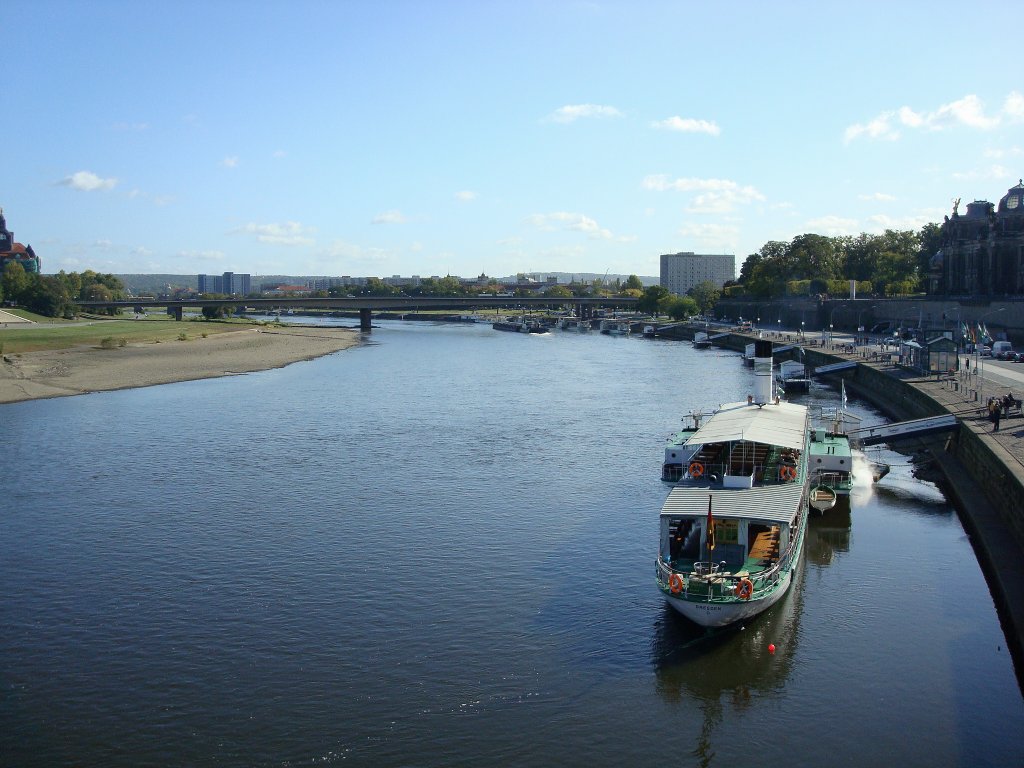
[88, 368]
[982, 471]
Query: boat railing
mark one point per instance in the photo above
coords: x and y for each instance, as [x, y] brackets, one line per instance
[712, 582]
[715, 474]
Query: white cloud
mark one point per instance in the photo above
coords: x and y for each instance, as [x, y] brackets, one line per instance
[357, 254]
[466, 196]
[688, 125]
[1013, 107]
[102, 244]
[715, 195]
[968, 111]
[994, 171]
[724, 236]
[1002, 152]
[132, 127]
[215, 256]
[389, 217]
[881, 222]
[576, 222]
[288, 233]
[279, 154]
[87, 181]
[230, 161]
[832, 226]
[878, 196]
[572, 112]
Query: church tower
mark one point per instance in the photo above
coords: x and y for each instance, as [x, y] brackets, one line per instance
[6, 236]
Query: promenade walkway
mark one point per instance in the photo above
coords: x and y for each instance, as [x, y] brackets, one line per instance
[965, 395]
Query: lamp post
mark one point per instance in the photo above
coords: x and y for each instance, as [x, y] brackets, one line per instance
[978, 358]
[860, 314]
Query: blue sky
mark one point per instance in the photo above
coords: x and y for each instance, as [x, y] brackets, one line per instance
[433, 138]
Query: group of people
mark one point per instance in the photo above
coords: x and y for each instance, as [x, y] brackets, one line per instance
[999, 407]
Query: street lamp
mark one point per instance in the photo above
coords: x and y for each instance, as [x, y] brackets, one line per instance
[860, 314]
[978, 358]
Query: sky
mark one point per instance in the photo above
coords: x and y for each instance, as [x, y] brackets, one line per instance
[385, 138]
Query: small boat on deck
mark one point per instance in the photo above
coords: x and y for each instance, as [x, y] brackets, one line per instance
[732, 529]
[822, 498]
[677, 453]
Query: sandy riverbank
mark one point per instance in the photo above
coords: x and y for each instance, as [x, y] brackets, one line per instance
[78, 370]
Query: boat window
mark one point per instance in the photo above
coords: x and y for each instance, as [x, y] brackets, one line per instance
[684, 539]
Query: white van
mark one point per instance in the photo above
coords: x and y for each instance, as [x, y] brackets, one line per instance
[1001, 348]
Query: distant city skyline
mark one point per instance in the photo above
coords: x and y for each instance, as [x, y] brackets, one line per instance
[457, 138]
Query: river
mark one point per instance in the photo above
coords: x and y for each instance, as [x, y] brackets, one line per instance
[438, 549]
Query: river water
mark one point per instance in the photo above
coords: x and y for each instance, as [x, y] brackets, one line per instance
[438, 549]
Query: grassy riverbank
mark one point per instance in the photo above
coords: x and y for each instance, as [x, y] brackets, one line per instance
[66, 334]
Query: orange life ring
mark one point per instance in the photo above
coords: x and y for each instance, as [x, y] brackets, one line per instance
[696, 469]
[786, 472]
[675, 583]
[744, 589]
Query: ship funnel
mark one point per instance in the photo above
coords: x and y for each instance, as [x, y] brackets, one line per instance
[762, 371]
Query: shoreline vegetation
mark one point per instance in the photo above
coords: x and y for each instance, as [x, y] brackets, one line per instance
[114, 358]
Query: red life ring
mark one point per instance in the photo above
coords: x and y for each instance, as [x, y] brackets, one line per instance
[675, 583]
[744, 589]
[696, 469]
[787, 472]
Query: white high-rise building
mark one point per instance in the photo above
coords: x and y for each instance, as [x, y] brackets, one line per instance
[682, 271]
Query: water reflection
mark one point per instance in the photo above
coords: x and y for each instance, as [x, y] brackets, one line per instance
[731, 668]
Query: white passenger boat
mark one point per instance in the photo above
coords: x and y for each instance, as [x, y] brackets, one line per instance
[615, 327]
[733, 527]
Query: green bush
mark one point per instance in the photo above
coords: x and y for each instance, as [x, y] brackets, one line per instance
[107, 343]
[182, 336]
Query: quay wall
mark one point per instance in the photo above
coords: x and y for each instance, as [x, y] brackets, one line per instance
[982, 479]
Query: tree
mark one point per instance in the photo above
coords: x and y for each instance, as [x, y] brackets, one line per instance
[680, 307]
[15, 281]
[633, 282]
[558, 292]
[705, 294]
[651, 301]
[46, 295]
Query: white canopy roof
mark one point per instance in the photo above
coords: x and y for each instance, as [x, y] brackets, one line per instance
[784, 424]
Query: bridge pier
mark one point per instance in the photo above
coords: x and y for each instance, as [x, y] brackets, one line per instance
[364, 320]
[178, 312]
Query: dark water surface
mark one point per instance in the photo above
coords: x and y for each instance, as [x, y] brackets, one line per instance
[438, 549]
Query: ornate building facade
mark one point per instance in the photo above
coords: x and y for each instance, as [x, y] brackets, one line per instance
[11, 251]
[981, 253]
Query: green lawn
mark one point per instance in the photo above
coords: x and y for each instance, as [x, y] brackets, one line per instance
[16, 339]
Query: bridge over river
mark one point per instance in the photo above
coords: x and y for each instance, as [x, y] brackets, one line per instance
[365, 305]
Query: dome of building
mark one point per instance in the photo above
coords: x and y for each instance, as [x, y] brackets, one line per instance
[1013, 201]
[979, 209]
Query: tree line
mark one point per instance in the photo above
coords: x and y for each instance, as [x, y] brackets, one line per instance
[56, 295]
[894, 263]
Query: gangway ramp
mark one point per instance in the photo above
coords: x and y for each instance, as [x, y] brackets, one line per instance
[885, 433]
[835, 367]
[720, 336]
[784, 348]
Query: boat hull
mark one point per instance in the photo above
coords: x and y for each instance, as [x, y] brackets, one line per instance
[716, 614]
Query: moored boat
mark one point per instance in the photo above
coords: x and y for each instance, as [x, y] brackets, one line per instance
[701, 340]
[733, 527]
[792, 376]
[519, 325]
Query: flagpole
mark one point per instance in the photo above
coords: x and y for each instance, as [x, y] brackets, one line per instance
[709, 544]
